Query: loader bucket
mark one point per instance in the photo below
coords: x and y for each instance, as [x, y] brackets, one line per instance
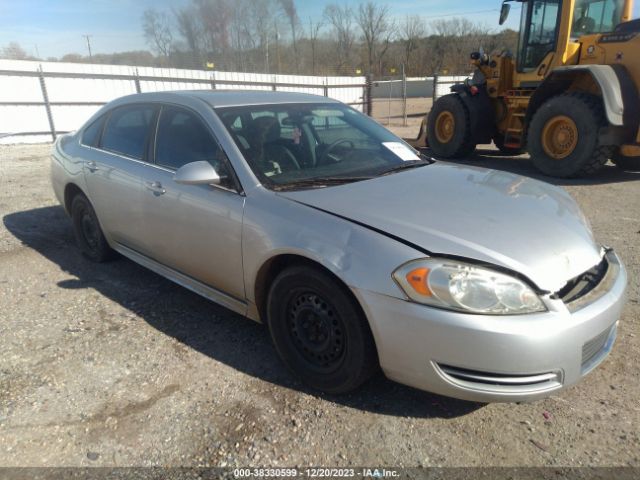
[421, 140]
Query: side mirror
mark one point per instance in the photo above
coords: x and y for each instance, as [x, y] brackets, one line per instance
[197, 173]
[504, 12]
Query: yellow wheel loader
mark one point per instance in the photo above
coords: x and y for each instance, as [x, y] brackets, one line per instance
[569, 97]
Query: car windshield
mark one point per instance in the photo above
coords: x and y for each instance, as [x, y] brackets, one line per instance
[291, 146]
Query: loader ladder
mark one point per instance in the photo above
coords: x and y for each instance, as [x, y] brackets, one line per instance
[517, 103]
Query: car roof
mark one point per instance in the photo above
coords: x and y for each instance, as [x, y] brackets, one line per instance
[229, 98]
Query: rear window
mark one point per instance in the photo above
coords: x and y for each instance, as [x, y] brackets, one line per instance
[127, 130]
[91, 134]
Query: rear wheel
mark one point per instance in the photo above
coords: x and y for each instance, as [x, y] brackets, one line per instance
[563, 136]
[89, 235]
[449, 128]
[630, 164]
[319, 331]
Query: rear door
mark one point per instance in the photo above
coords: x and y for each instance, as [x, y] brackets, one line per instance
[194, 229]
[113, 170]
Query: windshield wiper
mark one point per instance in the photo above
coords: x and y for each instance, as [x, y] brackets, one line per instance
[406, 166]
[319, 182]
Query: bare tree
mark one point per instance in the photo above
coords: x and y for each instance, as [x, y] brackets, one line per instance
[189, 28]
[247, 35]
[289, 7]
[342, 21]
[377, 30]
[73, 58]
[411, 31]
[314, 34]
[215, 17]
[157, 31]
[14, 51]
[454, 41]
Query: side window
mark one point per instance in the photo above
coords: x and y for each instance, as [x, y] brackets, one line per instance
[91, 134]
[127, 130]
[183, 138]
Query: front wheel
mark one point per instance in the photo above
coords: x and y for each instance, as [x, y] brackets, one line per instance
[319, 331]
[563, 136]
[449, 132]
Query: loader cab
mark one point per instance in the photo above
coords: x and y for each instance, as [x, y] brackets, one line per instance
[550, 29]
[539, 27]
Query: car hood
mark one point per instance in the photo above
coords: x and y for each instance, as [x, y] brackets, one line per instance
[491, 216]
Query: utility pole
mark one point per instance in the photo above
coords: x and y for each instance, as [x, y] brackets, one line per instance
[87, 37]
[267, 55]
[278, 47]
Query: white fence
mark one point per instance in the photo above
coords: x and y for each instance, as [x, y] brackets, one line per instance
[418, 87]
[39, 100]
[444, 83]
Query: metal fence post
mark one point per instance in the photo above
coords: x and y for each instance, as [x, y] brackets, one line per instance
[391, 84]
[435, 87]
[47, 104]
[136, 80]
[325, 87]
[368, 98]
[404, 96]
[213, 80]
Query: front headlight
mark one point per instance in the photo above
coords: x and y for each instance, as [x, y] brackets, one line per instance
[464, 287]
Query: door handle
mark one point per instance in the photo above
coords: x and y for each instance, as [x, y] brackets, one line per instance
[155, 187]
[91, 166]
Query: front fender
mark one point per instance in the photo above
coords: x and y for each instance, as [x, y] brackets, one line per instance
[615, 84]
[360, 257]
[481, 111]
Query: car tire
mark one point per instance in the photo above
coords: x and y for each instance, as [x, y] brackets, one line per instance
[449, 132]
[629, 164]
[319, 331]
[563, 136]
[89, 236]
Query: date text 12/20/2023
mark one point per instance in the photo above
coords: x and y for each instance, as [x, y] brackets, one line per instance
[318, 472]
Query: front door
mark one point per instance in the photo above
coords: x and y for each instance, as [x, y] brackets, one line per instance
[193, 229]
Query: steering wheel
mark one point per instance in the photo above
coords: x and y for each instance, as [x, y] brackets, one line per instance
[328, 150]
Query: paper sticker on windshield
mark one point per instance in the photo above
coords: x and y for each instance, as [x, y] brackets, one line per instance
[401, 151]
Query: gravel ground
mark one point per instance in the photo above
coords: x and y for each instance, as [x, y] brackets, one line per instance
[111, 365]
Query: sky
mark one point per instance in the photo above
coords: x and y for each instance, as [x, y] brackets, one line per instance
[52, 28]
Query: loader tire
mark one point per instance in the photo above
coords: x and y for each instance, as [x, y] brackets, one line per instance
[449, 132]
[563, 136]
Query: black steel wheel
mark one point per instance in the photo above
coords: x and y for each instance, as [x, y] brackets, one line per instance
[319, 331]
[89, 236]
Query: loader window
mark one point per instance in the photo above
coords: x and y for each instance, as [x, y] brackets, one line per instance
[596, 16]
[539, 32]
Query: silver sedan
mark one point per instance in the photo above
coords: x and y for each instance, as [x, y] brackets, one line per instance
[358, 252]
